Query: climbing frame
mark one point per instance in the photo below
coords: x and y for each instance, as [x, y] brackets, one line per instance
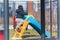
[22, 29]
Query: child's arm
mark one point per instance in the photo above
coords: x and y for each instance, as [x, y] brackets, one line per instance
[24, 13]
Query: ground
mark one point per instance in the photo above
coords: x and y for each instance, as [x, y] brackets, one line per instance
[30, 33]
[27, 34]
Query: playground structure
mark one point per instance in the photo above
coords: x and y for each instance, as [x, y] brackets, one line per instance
[2, 33]
[30, 20]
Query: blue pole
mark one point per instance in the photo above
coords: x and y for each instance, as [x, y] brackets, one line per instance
[6, 20]
[58, 19]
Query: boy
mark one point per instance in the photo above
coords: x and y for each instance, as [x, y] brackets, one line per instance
[20, 14]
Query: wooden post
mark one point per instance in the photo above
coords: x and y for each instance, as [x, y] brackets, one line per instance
[30, 7]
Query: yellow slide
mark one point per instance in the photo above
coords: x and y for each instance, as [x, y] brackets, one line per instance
[23, 28]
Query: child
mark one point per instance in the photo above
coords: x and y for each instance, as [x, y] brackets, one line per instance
[20, 14]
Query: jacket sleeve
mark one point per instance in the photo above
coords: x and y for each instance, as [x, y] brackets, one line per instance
[24, 13]
[16, 11]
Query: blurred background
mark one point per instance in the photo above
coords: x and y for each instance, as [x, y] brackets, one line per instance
[34, 8]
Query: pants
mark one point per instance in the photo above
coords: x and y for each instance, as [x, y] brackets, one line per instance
[19, 21]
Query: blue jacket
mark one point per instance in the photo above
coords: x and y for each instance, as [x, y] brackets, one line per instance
[20, 13]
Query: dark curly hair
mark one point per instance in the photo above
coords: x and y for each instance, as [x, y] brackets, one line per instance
[20, 7]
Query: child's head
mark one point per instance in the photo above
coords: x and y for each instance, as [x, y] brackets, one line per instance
[20, 7]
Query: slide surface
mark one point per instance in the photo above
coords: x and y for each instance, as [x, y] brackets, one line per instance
[34, 23]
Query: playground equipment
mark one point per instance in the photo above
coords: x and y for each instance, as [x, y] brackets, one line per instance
[23, 28]
[29, 19]
[1, 33]
[14, 22]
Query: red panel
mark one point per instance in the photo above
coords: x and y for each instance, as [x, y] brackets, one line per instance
[1, 35]
[14, 22]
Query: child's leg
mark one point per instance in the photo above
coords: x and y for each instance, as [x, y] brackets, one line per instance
[19, 22]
